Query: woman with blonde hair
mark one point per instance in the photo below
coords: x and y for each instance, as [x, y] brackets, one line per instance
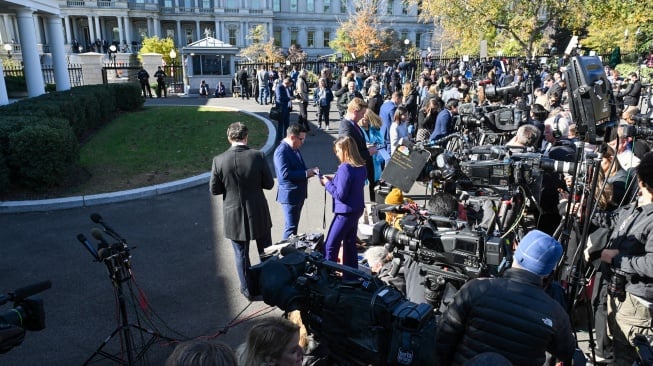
[371, 126]
[346, 188]
[272, 342]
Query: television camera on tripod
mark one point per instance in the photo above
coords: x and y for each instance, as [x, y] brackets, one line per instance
[27, 313]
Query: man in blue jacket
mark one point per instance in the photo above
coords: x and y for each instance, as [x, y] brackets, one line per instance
[387, 114]
[292, 177]
[444, 120]
[282, 102]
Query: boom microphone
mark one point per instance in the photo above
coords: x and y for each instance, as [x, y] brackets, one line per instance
[82, 239]
[96, 218]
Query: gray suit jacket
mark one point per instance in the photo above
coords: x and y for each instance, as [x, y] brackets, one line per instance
[240, 175]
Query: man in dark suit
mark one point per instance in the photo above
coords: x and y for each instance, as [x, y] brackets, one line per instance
[349, 127]
[240, 175]
[243, 80]
[282, 101]
[292, 177]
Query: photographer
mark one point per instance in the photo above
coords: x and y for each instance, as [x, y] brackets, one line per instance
[630, 256]
[632, 92]
[511, 315]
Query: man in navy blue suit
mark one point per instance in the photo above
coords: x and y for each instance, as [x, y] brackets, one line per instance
[282, 101]
[292, 177]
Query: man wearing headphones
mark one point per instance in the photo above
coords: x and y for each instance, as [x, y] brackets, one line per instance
[444, 120]
[558, 147]
[556, 143]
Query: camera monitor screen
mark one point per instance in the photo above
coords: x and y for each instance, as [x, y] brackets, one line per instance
[590, 96]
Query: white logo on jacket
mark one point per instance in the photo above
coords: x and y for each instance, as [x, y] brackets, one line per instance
[547, 321]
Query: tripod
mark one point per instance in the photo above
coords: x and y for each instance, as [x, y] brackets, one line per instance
[118, 265]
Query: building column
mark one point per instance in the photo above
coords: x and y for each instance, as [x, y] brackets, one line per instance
[91, 30]
[98, 31]
[103, 29]
[75, 33]
[57, 48]
[37, 29]
[128, 33]
[66, 24]
[198, 30]
[179, 35]
[217, 30]
[149, 26]
[243, 34]
[4, 97]
[31, 61]
[121, 31]
[157, 27]
[9, 28]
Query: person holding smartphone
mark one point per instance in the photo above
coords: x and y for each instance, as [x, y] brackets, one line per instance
[346, 188]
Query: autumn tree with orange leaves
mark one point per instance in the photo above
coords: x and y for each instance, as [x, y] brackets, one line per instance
[361, 34]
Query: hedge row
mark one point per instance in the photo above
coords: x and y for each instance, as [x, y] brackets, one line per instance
[40, 137]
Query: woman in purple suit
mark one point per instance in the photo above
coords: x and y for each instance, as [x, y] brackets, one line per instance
[346, 188]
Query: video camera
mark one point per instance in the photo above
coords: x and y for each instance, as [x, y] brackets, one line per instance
[518, 168]
[452, 255]
[360, 321]
[505, 93]
[493, 118]
[27, 314]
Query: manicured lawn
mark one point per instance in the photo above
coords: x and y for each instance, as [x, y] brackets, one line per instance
[159, 144]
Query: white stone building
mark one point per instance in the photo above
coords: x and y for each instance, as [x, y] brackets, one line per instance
[32, 29]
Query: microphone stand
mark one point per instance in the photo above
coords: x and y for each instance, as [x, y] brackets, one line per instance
[118, 267]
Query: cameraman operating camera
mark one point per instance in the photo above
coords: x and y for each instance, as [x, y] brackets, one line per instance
[511, 315]
[630, 256]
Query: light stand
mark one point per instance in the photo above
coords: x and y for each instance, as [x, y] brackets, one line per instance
[112, 53]
[8, 49]
[173, 56]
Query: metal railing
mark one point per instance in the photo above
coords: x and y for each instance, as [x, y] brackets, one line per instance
[74, 74]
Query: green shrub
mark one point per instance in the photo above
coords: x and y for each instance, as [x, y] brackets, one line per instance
[4, 175]
[39, 136]
[41, 154]
[128, 96]
[13, 124]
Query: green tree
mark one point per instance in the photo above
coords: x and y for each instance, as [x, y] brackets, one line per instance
[259, 49]
[624, 23]
[157, 45]
[518, 22]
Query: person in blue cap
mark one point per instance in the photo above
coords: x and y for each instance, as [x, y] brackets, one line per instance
[512, 315]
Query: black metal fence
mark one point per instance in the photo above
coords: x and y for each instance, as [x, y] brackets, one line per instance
[121, 72]
[315, 64]
[74, 74]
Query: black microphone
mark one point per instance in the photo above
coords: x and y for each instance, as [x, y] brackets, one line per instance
[97, 234]
[82, 239]
[25, 292]
[97, 218]
[103, 247]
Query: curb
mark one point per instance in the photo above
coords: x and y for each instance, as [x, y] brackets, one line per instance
[131, 194]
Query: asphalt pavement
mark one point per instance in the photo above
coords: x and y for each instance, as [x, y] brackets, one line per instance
[180, 260]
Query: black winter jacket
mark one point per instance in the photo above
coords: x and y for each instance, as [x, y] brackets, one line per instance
[632, 234]
[512, 316]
